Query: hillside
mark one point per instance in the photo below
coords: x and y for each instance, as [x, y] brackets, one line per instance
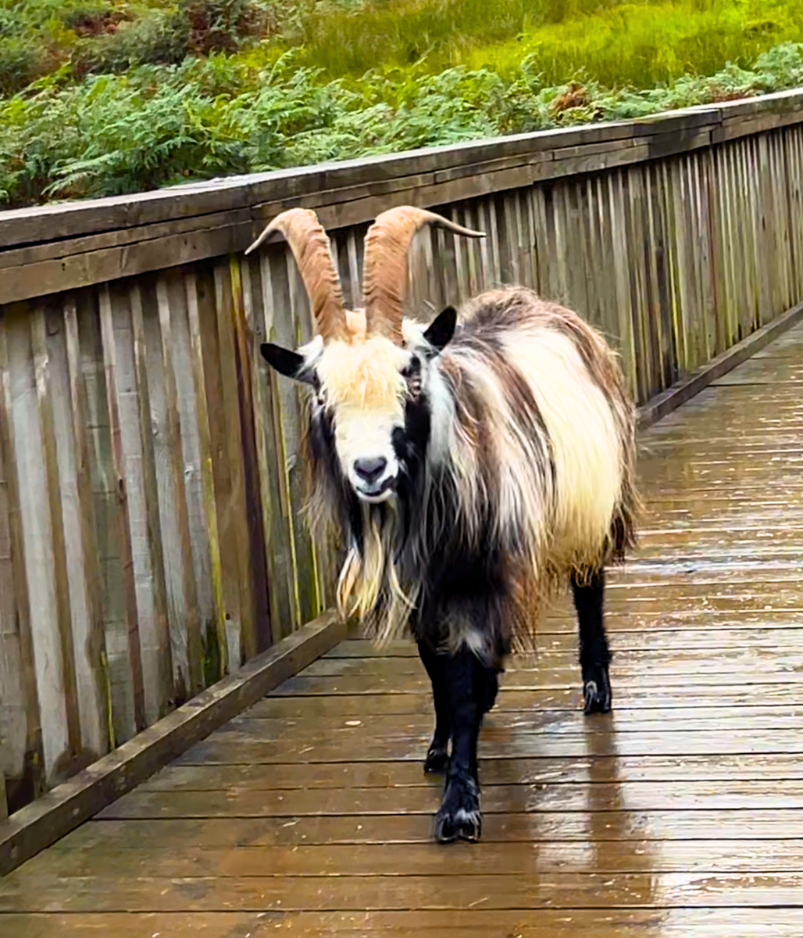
[112, 96]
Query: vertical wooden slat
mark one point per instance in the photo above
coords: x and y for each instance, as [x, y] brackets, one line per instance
[152, 326]
[355, 242]
[633, 206]
[295, 331]
[114, 389]
[186, 409]
[260, 588]
[130, 421]
[40, 556]
[473, 251]
[204, 317]
[84, 645]
[794, 152]
[624, 302]
[278, 396]
[588, 264]
[15, 690]
[278, 561]
[55, 497]
[662, 300]
[20, 718]
[484, 271]
[236, 508]
[749, 212]
[434, 273]
[151, 437]
[90, 635]
[198, 297]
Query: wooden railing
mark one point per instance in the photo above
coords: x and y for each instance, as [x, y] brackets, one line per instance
[151, 535]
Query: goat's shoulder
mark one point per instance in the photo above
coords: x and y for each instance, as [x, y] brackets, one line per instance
[514, 308]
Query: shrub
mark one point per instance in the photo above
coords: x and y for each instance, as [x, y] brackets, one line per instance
[135, 94]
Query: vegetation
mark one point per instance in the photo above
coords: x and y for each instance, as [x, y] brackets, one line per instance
[111, 96]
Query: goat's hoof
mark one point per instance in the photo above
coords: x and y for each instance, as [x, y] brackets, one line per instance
[597, 694]
[437, 759]
[459, 817]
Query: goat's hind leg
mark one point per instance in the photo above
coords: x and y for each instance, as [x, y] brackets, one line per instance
[438, 753]
[472, 690]
[595, 655]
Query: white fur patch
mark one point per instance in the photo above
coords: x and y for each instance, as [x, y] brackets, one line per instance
[585, 443]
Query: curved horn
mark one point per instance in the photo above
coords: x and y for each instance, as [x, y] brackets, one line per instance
[385, 265]
[313, 253]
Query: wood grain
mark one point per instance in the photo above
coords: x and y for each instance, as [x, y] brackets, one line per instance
[151, 492]
[676, 815]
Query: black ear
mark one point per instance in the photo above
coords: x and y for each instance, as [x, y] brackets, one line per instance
[287, 363]
[440, 332]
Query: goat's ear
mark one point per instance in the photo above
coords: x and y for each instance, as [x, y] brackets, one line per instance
[287, 363]
[440, 332]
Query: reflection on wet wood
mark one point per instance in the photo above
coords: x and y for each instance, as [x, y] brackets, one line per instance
[679, 816]
[616, 923]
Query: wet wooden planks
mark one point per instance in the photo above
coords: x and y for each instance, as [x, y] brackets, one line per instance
[169, 546]
[681, 815]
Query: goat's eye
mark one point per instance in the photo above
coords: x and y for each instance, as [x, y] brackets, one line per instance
[412, 375]
[320, 397]
[412, 369]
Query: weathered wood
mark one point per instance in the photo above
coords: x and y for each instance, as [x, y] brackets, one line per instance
[25, 432]
[311, 809]
[124, 444]
[159, 670]
[561, 890]
[256, 280]
[88, 635]
[497, 799]
[49, 250]
[548, 923]
[81, 270]
[185, 775]
[255, 561]
[677, 248]
[692, 384]
[509, 859]
[102, 538]
[81, 650]
[68, 805]
[117, 237]
[21, 754]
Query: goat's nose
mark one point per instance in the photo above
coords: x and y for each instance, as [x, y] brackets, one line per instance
[370, 469]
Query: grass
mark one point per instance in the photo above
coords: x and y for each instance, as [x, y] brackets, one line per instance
[113, 96]
[642, 43]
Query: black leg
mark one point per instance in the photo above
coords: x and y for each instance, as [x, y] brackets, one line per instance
[594, 653]
[438, 752]
[471, 688]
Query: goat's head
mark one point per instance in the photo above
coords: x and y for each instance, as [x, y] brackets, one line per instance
[369, 370]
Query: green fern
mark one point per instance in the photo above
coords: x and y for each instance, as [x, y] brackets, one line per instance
[107, 97]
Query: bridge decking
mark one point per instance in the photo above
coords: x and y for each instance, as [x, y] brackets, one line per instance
[681, 815]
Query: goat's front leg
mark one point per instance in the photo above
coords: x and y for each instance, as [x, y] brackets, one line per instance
[438, 753]
[595, 655]
[471, 688]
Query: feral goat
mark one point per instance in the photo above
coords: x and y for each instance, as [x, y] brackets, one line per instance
[470, 467]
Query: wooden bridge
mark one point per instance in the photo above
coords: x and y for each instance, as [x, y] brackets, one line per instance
[677, 816]
[150, 547]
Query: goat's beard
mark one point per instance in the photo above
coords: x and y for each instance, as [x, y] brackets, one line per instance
[370, 588]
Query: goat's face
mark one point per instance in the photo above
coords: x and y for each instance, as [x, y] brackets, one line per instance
[370, 406]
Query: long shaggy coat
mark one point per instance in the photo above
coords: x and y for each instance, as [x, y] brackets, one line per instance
[517, 469]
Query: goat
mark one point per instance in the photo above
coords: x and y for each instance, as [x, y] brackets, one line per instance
[471, 467]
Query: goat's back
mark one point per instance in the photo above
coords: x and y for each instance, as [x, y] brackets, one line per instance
[524, 353]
